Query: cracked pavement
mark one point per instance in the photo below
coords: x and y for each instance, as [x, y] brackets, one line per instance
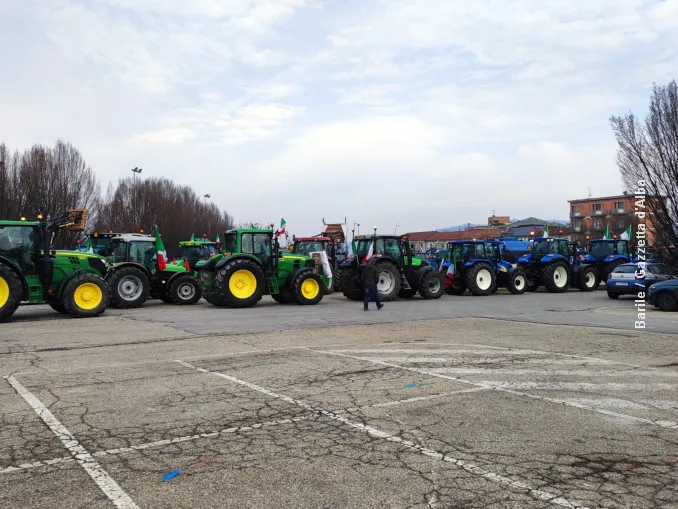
[530, 401]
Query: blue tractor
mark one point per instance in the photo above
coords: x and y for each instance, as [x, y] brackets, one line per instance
[478, 266]
[604, 255]
[553, 263]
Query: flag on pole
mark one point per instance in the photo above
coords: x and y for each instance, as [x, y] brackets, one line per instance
[370, 252]
[217, 241]
[626, 235]
[546, 230]
[282, 234]
[160, 249]
[187, 265]
[90, 248]
[607, 233]
[192, 237]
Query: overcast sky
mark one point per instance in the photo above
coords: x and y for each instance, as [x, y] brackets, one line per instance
[425, 113]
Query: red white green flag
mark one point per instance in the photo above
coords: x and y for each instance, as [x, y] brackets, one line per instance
[160, 249]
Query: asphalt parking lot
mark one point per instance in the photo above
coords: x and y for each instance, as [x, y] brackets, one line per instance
[529, 401]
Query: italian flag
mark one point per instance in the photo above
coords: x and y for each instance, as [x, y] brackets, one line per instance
[626, 235]
[160, 249]
[90, 248]
[546, 230]
[607, 233]
[192, 237]
[282, 233]
[370, 253]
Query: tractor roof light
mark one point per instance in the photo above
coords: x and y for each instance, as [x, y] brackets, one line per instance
[23, 218]
[40, 216]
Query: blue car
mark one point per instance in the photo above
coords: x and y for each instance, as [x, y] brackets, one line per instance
[626, 279]
[664, 295]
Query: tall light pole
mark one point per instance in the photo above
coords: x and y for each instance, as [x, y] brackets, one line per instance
[136, 170]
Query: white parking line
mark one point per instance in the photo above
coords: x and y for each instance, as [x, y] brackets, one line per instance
[158, 443]
[411, 400]
[105, 482]
[503, 387]
[377, 433]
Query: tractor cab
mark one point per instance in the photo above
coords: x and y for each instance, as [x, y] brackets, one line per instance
[129, 248]
[196, 250]
[100, 242]
[254, 242]
[389, 247]
[304, 246]
[607, 250]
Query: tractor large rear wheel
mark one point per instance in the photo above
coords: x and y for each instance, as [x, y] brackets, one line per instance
[350, 285]
[588, 279]
[240, 283]
[456, 287]
[86, 296]
[185, 290]
[480, 279]
[432, 285]
[517, 282]
[285, 296]
[129, 287]
[307, 288]
[10, 292]
[607, 269]
[557, 277]
[388, 281]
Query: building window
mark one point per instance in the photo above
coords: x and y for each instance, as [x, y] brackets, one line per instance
[576, 208]
[618, 205]
[576, 224]
[620, 224]
[596, 207]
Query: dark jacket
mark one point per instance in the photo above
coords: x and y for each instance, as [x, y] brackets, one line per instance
[370, 277]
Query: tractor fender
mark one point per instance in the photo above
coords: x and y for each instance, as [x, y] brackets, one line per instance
[168, 282]
[227, 259]
[17, 270]
[419, 273]
[550, 258]
[615, 257]
[136, 265]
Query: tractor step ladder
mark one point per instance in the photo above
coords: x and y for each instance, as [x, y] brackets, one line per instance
[273, 287]
[34, 293]
[405, 284]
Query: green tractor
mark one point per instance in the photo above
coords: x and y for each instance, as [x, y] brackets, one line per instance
[139, 271]
[252, 265]
[31, 272]
[401, 274]
[197, 250]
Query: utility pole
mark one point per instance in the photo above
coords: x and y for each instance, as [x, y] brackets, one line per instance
[396, 228]
[136, 170]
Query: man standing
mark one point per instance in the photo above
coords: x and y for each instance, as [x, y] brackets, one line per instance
[370, 278]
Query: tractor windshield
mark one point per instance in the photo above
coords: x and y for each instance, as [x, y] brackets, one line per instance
[305, 248]
[541, 248]
[601, 249]
[17, 244]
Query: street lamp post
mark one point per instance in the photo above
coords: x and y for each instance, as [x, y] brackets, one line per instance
[136, 170]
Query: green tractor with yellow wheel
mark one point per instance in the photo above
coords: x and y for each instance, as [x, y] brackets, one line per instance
[32, 272]
[252, 265]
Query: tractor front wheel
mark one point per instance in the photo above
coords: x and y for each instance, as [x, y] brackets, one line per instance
[588, 279]
[480, 279]
[86, 296]
[388, 281]
[432, 285]
[10, 292]
[350, 285]
[129, 287]
[185, 290]
[557, 277]
[240, 283]
[308, 288]
[517, 283]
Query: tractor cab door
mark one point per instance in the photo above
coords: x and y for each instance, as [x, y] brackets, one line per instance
[622, 248]
[20, 244]
[392, 250]
[259, 245]
[492, 253]
[405, 252]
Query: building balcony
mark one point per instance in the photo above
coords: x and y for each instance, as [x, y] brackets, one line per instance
[576, 214]
[621, 211]
[597, 213]
[597, 228]
[577, 229]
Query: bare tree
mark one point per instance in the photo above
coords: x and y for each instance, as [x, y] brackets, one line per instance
[177, 210]
[647, 157]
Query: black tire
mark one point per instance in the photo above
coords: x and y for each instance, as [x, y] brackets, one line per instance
[666, 301]
[456, 288]
[554, 274]
[129, 287]
[206, 282]
[588, 279]
[166, 298]
[337, 279]
[532, 285]
[307, 288]
[350, 285]
[284, 297]
[480, 279]
[407, 293]
[11, 292]
[185, 290]
[613, 295]
[432, 285]
[58, 306]
[80, 298]
[517, 283]
[388, 281]
[249, 273]
[495, 288]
